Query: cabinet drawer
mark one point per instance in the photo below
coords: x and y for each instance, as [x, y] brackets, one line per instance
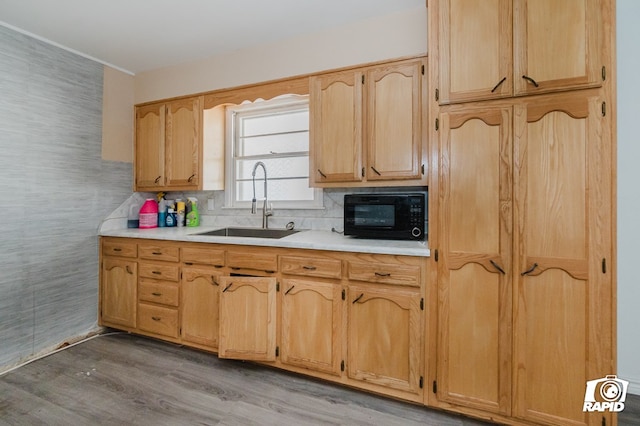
[203, 256]
[159, 271]
[158, 252]
[164, 293]
[119, 248]
[251, 259]
[385, 273]
[158, 320]
[311, 266]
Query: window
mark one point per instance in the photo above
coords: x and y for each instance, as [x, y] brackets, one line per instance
[275, 132]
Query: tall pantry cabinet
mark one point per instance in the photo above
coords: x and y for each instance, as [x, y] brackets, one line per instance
[521, 195]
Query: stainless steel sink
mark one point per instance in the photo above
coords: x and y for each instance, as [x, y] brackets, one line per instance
[250, 232]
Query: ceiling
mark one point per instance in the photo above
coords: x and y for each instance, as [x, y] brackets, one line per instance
[141, 35]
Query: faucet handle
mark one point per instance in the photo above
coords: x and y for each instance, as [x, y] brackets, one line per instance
[269, 211]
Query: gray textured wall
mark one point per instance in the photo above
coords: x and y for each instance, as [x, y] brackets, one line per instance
[54, 191]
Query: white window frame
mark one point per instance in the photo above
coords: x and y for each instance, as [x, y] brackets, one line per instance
[282, 103]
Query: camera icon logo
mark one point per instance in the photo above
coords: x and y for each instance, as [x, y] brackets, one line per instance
[605, 394]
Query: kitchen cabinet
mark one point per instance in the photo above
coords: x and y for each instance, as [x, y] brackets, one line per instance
[247, 318]
[385, 336]
[199, 288]
[366, 125]
[118, 292]
[169, 145]
[499, 48]
[475, 257]
[311, 314]
[525, 314]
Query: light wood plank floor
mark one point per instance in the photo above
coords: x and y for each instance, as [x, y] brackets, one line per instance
[123, 379]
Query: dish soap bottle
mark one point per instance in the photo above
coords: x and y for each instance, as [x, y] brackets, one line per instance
[193, 217]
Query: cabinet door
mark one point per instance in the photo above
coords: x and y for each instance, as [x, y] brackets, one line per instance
[475, 49]
[150, 136]
[394, 121]
[556, 45]
[199, 305]
[474, 269]
[119, 299]
[335, 139]
[385, 337]
[311, 325]
[563, 313]
[183, 143]
[248, 318]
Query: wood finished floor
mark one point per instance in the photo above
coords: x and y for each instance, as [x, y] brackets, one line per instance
[122, 379]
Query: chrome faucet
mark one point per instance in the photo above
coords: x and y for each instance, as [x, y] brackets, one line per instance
[267, 210]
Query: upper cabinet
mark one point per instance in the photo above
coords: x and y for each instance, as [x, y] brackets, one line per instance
[169, 145]
[500, 48]
[366, 126]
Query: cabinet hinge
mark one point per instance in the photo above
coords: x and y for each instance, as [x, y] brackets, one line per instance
[422, 168]
[604, 266]
[277, 351]
[344, 297]
[437, 124]
[363, 79]
[362, 172]
[437, 95]
[435, 255]
[342, 365]
[604, 109]
[434, 387]
[423, 70]
[604, 73]
[604, 421]
[421, 382]
[180, 274]
[277, 286]
[422, 305]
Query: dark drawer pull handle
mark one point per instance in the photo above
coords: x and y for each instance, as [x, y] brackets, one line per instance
[129, 271]
[117, 249]
[498, 85]
[156, 294]
[157, 253]
[235, 268]
[495, 265]
[530, 270]
[227, 287]
[382, 274]
[156, 318]
[213, 280]
[158, 179]
[156, 272]
[377, 172]
[322, 174]
[309, 268]
[191, 178]
[188, 263]
[358, 298]
[530, 80]
[287, 292]
[218, 266]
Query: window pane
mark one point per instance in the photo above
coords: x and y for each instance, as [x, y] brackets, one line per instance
[276, 168]
[278, 190]
[278, 144]
[265, 124]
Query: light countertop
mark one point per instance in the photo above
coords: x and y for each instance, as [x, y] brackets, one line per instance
[305, 239]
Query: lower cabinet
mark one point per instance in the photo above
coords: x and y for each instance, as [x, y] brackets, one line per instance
[118, 292]
[199, 307]
[385, 336]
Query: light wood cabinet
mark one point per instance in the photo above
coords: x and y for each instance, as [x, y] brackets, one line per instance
[311, 321]
[169, 145]
[247, 318]
[474, 266]
[118, 295]
[498, 48]
[385, 336]
[366, 125]
[200, 303]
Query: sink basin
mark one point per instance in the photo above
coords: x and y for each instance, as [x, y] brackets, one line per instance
[249, 232]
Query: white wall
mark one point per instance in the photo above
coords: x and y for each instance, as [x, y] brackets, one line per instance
[391, 36]
[628, 35]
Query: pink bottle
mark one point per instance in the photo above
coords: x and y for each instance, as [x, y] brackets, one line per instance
[149, 214]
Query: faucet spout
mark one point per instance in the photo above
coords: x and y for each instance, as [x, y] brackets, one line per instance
[266, 210]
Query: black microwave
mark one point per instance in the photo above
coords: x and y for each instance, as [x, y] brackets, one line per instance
[385, 216]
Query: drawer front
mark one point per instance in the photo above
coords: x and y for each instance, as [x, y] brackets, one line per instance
[159, 271]
[158, 292]
[119, 248]
[311, 266]
[158, 320]
[203, 256]
[252, 260]
[159, 252]
[385, 273]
